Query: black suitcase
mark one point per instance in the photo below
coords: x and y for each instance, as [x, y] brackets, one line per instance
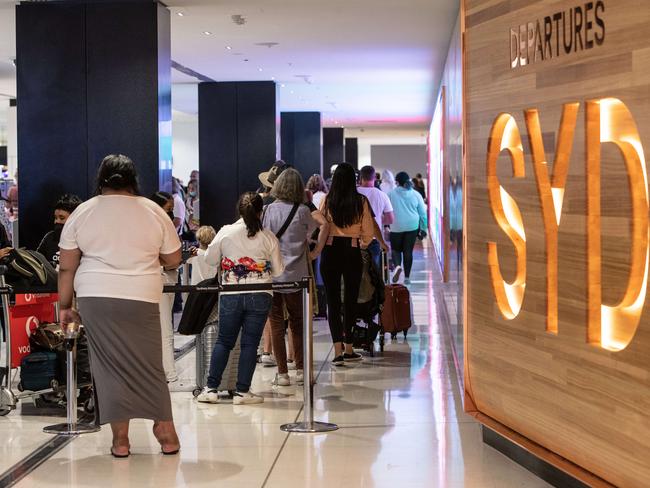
[39, 371]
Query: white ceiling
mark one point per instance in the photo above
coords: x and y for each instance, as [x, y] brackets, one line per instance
[369, 62]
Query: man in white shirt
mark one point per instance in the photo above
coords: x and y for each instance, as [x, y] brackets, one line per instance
[381, 208]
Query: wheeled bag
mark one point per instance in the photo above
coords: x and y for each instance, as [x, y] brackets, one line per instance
[396, 314]
[39, 371]
[205, 342]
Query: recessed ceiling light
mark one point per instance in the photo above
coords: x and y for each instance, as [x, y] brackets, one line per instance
[282, 85]
[228, 48]
[180, 14]
[207, 33]
[291, 92]
[272, 78]
[259, 69]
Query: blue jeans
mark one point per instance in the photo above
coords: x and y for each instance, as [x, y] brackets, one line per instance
[245, 312]
[374, 248]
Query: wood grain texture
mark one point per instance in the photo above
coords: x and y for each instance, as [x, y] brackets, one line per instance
[584, 403]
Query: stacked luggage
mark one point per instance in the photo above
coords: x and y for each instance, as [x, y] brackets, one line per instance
[45, 367]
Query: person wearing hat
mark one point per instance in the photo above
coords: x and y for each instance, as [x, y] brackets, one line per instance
[267, 178]
[410, 215]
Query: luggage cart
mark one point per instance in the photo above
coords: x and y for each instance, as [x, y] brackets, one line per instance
[8, 398]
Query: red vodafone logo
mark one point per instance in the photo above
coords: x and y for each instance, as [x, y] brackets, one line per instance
[31, 325]
[28, 297]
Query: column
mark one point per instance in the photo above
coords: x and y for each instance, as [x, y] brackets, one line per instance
[12, 138]
[332, 148]
[238, 137]
[101, 85]
[301, 141]
[352, 151]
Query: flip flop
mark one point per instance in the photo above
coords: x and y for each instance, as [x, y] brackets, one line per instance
[170, 453]
[120, 456]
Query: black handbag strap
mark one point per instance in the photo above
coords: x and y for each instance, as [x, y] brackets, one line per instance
[290, 217]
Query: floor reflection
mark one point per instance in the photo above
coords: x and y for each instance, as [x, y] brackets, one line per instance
[400, 417]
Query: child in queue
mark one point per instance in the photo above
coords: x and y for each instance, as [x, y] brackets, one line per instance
[201, 270]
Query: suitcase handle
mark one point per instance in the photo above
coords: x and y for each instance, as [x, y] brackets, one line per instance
[384, 267]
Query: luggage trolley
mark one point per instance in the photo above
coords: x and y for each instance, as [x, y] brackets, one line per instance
[8, 398]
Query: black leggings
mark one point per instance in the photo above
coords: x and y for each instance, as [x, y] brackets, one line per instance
[403, 243]
[341, 260]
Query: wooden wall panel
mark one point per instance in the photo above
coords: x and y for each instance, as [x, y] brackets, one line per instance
[587, 404]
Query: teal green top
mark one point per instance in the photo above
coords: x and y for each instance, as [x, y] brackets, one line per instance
[409, 209]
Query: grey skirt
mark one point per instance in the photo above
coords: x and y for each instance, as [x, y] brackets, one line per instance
[125, 347]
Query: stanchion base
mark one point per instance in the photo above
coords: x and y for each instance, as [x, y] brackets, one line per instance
[71, 429]
[309, 427]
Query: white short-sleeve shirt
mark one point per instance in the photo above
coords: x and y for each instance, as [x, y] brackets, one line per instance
[379, 202]
[179, 210]
[120, 238]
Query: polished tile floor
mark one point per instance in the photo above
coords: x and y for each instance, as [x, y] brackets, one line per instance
[400, 417]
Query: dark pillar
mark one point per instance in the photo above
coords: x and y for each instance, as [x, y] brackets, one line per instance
[237, 141]
[300, 136]
[332, 148]
[352, 151]
[101, 85]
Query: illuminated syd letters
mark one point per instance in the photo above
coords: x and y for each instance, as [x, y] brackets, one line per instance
[607, 120]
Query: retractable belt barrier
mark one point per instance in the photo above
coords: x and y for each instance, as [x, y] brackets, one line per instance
[308, 425]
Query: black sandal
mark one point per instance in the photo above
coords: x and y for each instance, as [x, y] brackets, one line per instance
[120, 456]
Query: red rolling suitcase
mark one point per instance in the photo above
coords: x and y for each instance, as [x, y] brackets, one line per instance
[396, 315]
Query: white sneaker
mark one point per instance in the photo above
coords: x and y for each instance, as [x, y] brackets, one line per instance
[300, 377]
[246, 398]
[397, 274]
[291, 365]
[282, 379]
[208, 395]
[268, 360]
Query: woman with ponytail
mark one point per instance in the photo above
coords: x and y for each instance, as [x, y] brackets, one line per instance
[245, 254]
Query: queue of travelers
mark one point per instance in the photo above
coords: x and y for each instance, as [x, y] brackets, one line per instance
[286, 230]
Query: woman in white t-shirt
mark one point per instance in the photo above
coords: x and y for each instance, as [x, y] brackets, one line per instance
[246, 254]
[112, 247]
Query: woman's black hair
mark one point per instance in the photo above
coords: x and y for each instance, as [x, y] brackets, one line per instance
[68, 203]
[117, 172]
[161, 198]
[403, 179]
[343, 202]
[250, 207]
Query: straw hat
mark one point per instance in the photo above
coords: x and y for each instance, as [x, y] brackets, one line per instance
[268, 177]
